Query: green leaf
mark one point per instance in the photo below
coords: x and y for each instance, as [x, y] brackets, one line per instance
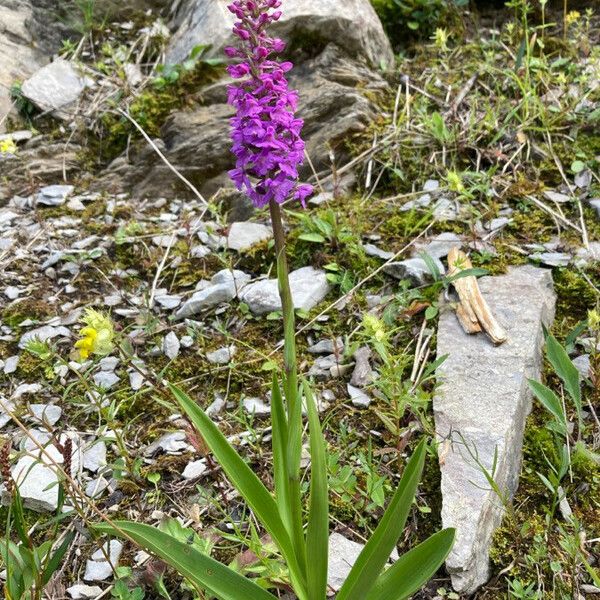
[246, 482]
[550, 401]
[317, 535]
[566, 370]
[202, 570]
[57, 557]
[377, 551]
[577, 166]
[413, 569]
[280, 444]
[474, 272]
[312, 237]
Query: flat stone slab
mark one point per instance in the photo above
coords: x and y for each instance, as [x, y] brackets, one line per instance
[480, 409]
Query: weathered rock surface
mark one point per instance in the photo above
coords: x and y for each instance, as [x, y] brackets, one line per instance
[351, 23]
[29, 33]
[244, 235]
[309, 286]
[55, 87]
[336, 102]
[480, 409]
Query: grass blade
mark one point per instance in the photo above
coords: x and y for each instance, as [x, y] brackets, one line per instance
[280, 444]
[377, 551]
[550, 401]
[413, 569]
[246, 482]
[204, 571]
[317, 535]
[566, 370]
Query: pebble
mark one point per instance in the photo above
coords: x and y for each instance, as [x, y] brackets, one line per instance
[243, 235]
[168, 302]
[94, 456]
[358, 397]
[327, 347]
[24, 389]
[12, 292]
[309, 287]
[100, 569]
[221, 356]
[172, 443]
[556, 196]
[84, 592]
[45, 413]
[373, 250]
[171, 345]
[440, 245]
[106, 379]
[552, 259]
[416, 270]
[256, 406]
[43, 334]
[195, 469]
[53, 195]
[11, 364]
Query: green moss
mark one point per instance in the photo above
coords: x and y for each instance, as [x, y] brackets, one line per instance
[17, 312]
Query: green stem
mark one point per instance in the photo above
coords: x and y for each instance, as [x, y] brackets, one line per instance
[290, 386]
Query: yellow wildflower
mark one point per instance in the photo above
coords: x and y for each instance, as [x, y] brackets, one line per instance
[573, 17]
[375, 327]
[455, 182]
[8, 146]
[97, 335]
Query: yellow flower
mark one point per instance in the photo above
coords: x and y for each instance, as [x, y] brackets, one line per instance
[374, 327]
[455, 182]
[7, 146]
[97, 335]
[594, 320]
[573, 17]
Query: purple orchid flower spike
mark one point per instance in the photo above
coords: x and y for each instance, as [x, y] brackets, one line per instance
[265, 132]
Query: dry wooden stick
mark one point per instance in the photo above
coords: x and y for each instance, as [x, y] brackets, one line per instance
[473, 311]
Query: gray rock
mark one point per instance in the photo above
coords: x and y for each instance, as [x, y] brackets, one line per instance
[171, 443]
[94, 456]
[342, 556]
[339, 99]
[586, 256]
[37, 484]
[421, 202]
[373, 250]
[81, 591]
[583, 365]
[225, 286]
[309, 287]
[352, 24]
[221, 356]
[358, 397]
[414, 269]
[552, 259]
[106, 379]
[24, 389]
[256, 406]
[243, 235]
[328, 347]
[100, 569]
[43, 334]
[216, 406]
[445, 210]
[440, 245]
[108, 363]
[54, 87]
[195, 469]
[168, 302]
[45, 413]
[431, 185]
[595, 204]
[11, 364]
[481, 406]
[96, 487]
[556, 196]
[171, 345]
[12, 292]
[5, 405]
[362, 374]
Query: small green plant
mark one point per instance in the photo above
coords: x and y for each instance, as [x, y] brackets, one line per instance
[29, 566]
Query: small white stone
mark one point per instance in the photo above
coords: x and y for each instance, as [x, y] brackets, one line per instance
[84, 592]
[94, 456]
[106, 379]
[24, 389]
[256, 406]
[358, 397]
[109, 363]
[45, 413]
[171, 345]
[243, 235]
[187, 341]
[195, 469]
[12, 292]
[98, 568]
[221, 356]
[11, 364]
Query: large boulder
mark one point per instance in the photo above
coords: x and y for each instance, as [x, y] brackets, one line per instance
[336, 103]
[352, 24]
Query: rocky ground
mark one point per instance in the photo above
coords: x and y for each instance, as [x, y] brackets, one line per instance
[473, 140]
